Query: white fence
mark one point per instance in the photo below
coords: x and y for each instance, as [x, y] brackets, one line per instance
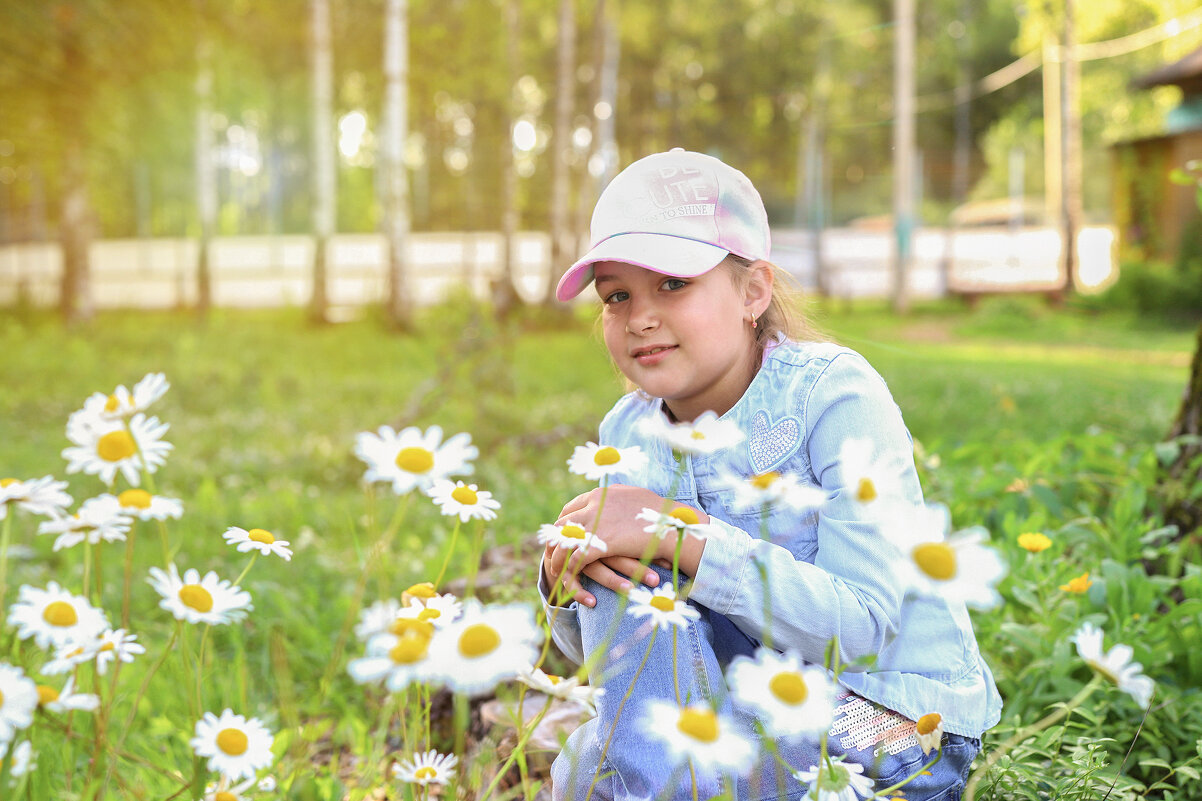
[275, 271]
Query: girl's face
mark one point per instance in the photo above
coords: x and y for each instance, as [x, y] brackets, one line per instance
[686, 340]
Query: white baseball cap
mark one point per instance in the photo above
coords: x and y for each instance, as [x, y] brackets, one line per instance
[677, 213]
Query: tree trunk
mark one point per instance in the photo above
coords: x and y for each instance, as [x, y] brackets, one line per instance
[75, 220]
[561, 143]
[1183, 475]
[903, 151]
[392, 150]
[206, 177]
[504, 296]
[324, 186]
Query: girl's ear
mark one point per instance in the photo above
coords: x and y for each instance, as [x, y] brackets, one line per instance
[758, 294]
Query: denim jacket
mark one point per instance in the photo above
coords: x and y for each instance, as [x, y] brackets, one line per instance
[829, 572]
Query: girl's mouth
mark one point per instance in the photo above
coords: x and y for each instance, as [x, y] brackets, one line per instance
[654, 355]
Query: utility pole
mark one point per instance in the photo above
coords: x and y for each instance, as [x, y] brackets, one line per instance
[903, 150]
[1070, 129]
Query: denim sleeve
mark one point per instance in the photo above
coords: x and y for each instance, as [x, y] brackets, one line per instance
[565, 628]
[850, 590]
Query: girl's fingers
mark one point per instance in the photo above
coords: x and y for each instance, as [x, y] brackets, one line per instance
[632, 568]
[601, 574]
[574, 505]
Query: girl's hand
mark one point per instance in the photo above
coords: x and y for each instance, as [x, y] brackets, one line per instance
[627, 544]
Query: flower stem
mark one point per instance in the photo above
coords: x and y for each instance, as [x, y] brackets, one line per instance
[133, 712]
[127, 576]
[5, 536]
[766, 634]
[442, 571]
[520, 748]
[618, 715]
[1022, 734]
[245, 570]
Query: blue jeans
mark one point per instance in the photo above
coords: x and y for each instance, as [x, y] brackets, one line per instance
[636, 766]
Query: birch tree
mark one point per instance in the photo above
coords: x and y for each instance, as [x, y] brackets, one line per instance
[324, 185]
[393, 183]
[561, 142]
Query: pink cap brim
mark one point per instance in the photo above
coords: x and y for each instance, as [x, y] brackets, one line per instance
[660, 253]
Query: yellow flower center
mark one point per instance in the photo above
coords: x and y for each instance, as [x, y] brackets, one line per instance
[411, 625]
[112, 404]
[46, 695]
[410, 648]
[685, 515]
[1079, 584]
[477, 640]
[1, 700]
[108, 646]
[1034, 542]
[415, 460]
[60, 613]
[429, 614]
[7, 482]
[606, 456]
[928, 723]
[936, 559]
[663, 603]
[865, 491]
[765, 480]
[573, 531]
[261, 535]
[697, 435]
[465, 495]
[700, 724]
[196, 597]
[426, 772]
[232, 741]
[115, 446]
[789, 686]
[135, 498]
[554, 679]
[225, 795]
[424, 589]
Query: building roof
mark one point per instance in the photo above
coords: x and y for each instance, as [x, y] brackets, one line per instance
[1185, 72]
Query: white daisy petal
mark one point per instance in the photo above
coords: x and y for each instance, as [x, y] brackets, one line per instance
[959, 567]
[707, 434]
[698, 734]
[141, 504]
[104, 447]
[488, 645]
[571, 536]
[397, 657]
[18, 700]
[662, 607]
[257, 539]
[426, 768]
[54, 617]
[683, 520]
[39, 496]
[195, 600]
[467, 501]
[604, 462]
[99, 519]
[235, 746]
[1114, 664]
[841, 781]
[413, 458]
[789, 698]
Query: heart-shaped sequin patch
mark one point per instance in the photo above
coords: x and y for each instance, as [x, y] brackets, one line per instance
[772, 443]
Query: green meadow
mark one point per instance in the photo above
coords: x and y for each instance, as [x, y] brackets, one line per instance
[1025, 419]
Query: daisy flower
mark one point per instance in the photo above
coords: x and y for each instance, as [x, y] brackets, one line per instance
[111, 447]
[662, 606]
[1078, 584]
[195, 600]
[236, 747]
[959, 567]
[866, 478]
[376, 619]
[229, 792]
[122, 403]
[567, 688]
[841, 781]
[929, 731]
[465, 500]
[115, 645]
[418, 592]
[428, 768]
[55, 617]
[397, 658]
[38, 496]
[257, 539]
[66, 699]
[24, 759]
[598, 462]
[99, 519]
[773, 489]
[569, 535]
[18, 700]
[141, 504]
[707, 434]
[682, 520]
[412, 458]
[440, 610]
[488, 645]
[789, 698]
[1114, 664]
[700, 735]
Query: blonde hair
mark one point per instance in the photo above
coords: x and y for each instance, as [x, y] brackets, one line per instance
[784, 314]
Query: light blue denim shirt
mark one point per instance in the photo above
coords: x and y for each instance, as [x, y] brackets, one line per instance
[830, 572]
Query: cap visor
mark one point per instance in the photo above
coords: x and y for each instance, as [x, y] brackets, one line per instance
[667, 255]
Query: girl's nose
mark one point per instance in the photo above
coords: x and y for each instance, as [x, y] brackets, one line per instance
[643, 318]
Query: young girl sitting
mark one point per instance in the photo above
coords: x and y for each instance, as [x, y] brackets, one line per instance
[693, 319]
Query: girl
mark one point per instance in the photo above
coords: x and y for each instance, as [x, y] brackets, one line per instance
[693, 319]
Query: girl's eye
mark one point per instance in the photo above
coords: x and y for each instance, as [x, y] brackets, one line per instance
[616, 297]
[673, 284]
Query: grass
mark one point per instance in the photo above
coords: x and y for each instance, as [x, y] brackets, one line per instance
[264, 411]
